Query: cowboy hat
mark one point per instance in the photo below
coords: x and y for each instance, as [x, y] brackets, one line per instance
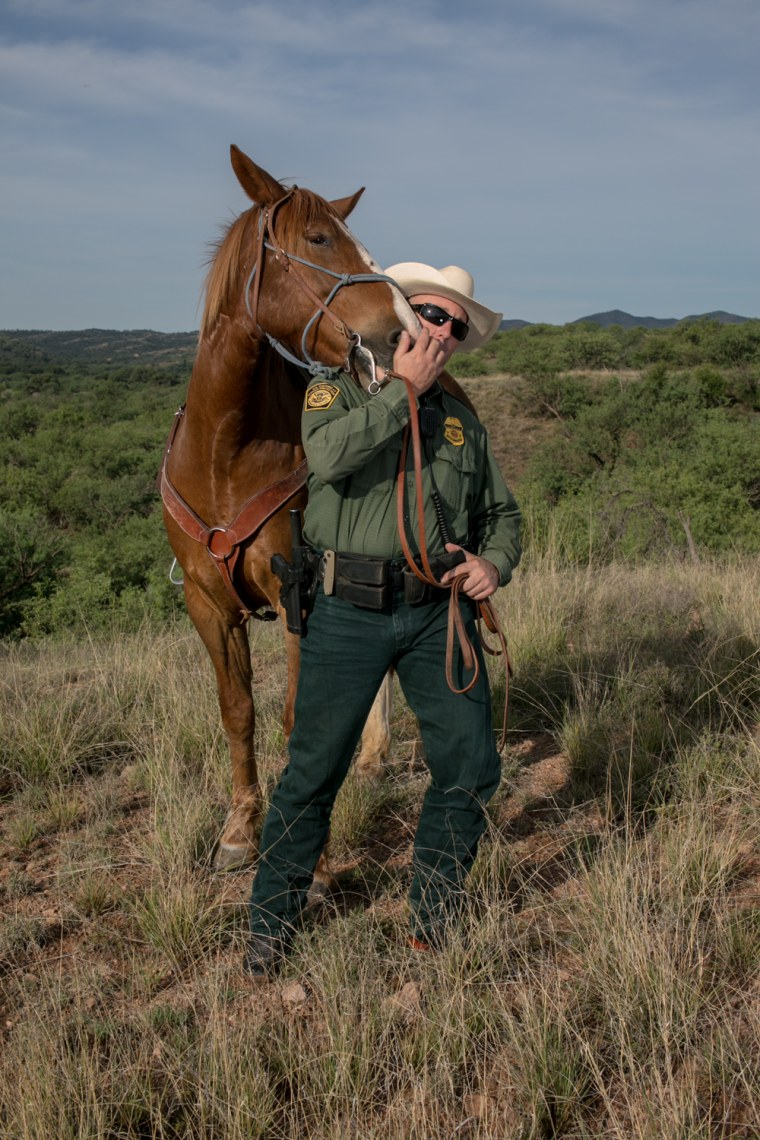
[413, 278]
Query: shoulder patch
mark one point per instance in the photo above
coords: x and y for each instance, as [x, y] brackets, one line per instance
[453, 431]
[320, 396]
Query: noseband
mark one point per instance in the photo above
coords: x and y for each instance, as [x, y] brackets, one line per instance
[266, 241]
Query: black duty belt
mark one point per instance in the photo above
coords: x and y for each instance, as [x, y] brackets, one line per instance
[371, 582]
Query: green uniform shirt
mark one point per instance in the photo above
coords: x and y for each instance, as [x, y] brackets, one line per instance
[353, 444]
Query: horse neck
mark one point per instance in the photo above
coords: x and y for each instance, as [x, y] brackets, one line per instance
[241, 392]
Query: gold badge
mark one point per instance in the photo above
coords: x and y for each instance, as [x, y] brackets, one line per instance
[453, 431]
[321, 396]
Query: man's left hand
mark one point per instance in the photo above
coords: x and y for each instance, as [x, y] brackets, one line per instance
[421, 361]
[482, 577]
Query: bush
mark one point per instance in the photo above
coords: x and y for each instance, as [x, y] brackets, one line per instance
[30, 553]
[650, 467]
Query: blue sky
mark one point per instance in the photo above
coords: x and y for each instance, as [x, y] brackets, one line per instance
[575, 155]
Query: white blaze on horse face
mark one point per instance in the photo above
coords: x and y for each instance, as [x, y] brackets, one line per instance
[404, 313]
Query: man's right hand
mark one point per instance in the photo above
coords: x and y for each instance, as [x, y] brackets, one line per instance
[420, 361]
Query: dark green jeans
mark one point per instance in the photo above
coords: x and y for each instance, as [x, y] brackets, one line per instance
[344, 657]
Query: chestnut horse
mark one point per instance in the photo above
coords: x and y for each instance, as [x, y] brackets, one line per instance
[290, 293]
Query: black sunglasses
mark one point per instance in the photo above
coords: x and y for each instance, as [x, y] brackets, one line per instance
[438, 316]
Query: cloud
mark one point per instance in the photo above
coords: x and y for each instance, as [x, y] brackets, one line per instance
[545, 143]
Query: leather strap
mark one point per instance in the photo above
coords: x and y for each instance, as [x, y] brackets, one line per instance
[456, 624]
[224, 543]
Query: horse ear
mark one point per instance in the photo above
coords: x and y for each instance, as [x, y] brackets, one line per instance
[260, 187]
[344, 206]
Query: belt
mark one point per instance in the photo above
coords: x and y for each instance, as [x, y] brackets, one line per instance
[370, 582]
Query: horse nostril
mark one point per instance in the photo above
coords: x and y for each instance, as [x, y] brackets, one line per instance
[395, 337]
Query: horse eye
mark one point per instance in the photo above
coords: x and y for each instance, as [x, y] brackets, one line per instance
[318, 239]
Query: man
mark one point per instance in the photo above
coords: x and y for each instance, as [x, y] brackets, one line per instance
[370, 615]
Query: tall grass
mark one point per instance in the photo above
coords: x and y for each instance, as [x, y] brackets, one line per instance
[605, 978]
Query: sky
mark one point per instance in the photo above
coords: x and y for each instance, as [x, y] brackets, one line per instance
[576, 156]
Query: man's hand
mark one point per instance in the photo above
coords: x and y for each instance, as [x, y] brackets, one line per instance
[482, 577]
[421, 361]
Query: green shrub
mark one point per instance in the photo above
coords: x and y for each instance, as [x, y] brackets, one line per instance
[653, 466]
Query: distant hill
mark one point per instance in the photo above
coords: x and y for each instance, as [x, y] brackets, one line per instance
[105, 346]
[616, 317]
[720, 316]
[626, 321]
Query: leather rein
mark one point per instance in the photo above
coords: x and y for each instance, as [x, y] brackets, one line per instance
[456, 624]
[224, 542]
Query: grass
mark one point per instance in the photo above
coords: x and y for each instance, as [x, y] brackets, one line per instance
[605, 979]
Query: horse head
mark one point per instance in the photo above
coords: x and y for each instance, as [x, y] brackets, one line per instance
[310, 286]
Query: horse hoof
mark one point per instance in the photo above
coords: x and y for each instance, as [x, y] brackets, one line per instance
[371, 772]
[319, 892]
[234, 857]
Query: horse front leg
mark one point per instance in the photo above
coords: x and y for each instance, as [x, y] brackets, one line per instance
[228, 648]
[376, 738]
[293, 651]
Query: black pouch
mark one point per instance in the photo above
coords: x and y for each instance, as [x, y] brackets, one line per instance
[417, 592]
[361, 581]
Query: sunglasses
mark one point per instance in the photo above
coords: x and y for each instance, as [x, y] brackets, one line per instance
[438, 316]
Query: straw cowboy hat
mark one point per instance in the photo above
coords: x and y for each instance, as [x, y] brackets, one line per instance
[413, 278]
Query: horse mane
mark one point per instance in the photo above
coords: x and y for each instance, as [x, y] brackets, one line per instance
[225, 260]
[224, 263]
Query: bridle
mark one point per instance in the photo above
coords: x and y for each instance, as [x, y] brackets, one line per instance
[266, 241]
